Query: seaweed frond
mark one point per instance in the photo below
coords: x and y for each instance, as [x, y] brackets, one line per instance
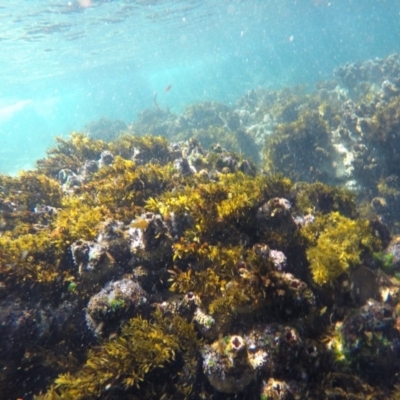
[337, 245]
[124, 361]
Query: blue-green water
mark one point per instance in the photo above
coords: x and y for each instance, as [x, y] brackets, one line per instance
[64, 64]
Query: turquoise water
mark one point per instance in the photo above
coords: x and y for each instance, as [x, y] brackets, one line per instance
[65, 64]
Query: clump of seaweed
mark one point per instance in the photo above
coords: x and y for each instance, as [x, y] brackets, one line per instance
[143, 348]
[143, 149]
[300, 150]
[337, 244]
[77, 220]
[220, 277]
[30, 204]
[288, 103]
[30, 189]
[29, 257]
[124, 187]
[70, 154]
[219, 205]
[320, 197]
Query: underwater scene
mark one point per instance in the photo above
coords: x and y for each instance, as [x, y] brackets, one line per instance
[200, 199]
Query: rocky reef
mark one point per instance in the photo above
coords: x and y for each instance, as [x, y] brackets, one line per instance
[342, 132]
[134, 267]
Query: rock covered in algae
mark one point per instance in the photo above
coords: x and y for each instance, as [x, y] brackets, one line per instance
[392, 253]
[112, 236]
[369, 339]
[191, 308]
[27, 331]
[380, 340]
[106, 158]
[116, 301]
[22, 325]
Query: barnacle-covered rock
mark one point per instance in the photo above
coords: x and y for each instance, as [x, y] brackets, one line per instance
[358, 76]
[190, 307]
[275, 223]
[112, 235]
[372, 317]
[392, 253]
[117, 301]
[106, 158]
[370, 341]
[149, 240]
[69, 180]
[26, 330]
[88, 169]
[185, 305]
[298, 300]
[21, 324]
[45, 210]
[179, 222]
[275, 389]
[110, 230]
[92, 259]
[183, 167]
[279, 259]
[282, 350]
[227, 365]
[277, 207]
[206, 324]
[64, 174]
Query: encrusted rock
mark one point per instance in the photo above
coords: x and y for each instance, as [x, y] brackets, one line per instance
[393, 252]
[275, 389]
[227, 365]
[91, 258]
[117, 300]
[106, 158]
[149, 240]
